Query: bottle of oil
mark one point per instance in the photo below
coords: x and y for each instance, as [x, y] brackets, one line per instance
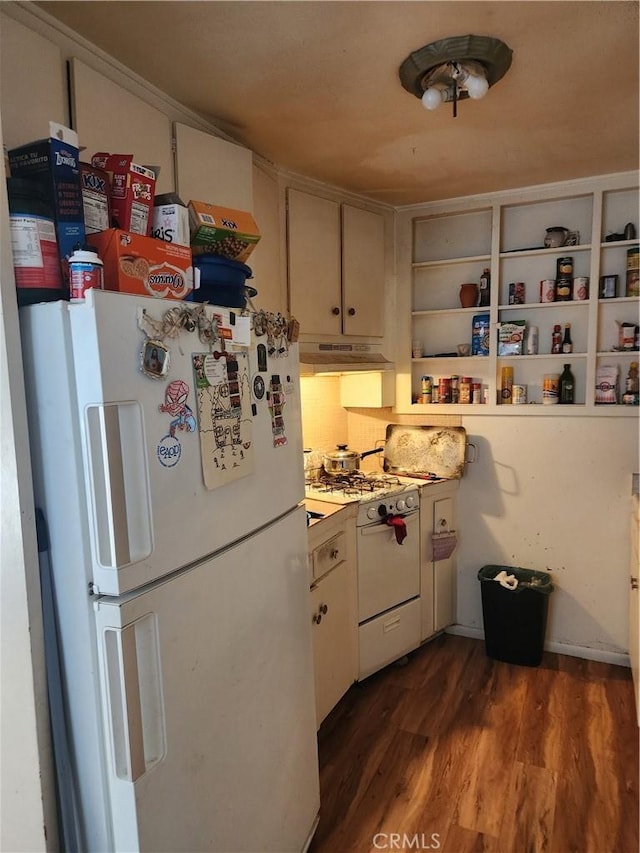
[567, 385]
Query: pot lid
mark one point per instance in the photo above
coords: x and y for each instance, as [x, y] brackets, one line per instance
[425, 451]
[341, 452]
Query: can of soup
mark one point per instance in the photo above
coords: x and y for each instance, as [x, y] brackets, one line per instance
[548, 290]
[580, 288]
[519, 394]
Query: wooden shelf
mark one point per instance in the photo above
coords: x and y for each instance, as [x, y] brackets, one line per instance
[475, 259]
[562, 250]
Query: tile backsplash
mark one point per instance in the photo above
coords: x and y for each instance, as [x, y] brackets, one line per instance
[326, 423]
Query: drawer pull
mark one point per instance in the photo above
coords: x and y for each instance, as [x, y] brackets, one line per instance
[634, 583]
[391, 624]
[317, 618]
[323, 609]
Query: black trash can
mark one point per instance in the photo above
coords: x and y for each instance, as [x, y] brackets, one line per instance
[515, 620]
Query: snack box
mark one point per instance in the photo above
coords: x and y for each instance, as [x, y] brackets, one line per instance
[142, 265]
[133, 189]
[222, 231]
[480, 334]
[170, 219]
[54, 164]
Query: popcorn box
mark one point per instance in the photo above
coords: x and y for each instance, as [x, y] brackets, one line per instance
[222, 231]
[132, 191]
[53, 164]
[170, 220]
[142, 265]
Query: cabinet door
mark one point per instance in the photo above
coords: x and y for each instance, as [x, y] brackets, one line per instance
[313, 226]
[34, 85]
[108, 118]
[266, 260]
[213, 170]
[362, 272]
[333, 632]
[634, 594]
[444, 571]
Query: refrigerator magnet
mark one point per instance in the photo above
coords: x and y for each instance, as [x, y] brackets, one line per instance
[155, 359]
[175, 403]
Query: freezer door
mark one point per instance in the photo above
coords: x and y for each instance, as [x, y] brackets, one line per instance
[146, 508]
[209, 703]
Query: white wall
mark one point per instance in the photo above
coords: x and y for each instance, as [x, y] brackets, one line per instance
[553, 494]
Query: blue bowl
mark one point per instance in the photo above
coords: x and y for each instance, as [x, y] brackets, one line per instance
[222, 281]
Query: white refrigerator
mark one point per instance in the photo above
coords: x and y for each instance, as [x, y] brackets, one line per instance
[180, 583]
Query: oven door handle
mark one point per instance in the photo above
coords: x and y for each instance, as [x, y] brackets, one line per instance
[381, 527]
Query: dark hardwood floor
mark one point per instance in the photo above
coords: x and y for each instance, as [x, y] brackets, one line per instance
[457, 752]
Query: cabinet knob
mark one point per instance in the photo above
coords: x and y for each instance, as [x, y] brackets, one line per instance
[334, 554]
[335, 311]
[351, 312]
[634, 583]
[323, 609]
[317, 618]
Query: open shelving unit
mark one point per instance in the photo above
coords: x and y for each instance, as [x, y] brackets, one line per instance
[450, 246]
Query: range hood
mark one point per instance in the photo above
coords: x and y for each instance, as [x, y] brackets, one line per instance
[341, 358]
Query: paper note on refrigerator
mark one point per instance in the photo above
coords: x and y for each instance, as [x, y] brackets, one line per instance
[224, 416]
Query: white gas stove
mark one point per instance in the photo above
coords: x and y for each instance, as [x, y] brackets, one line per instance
[357, 487]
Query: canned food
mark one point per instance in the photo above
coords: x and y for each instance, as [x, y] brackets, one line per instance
[580, 288]
[516, 293]
[444, 394]
[564, 287]
[506, 385]
[519, 394]
[465, 389]
[85, 272]
[426, 384]
[633, 271]
[564, 268]
[550, 388]
[548, 290]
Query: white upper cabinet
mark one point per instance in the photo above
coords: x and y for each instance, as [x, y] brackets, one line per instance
[266, 260]
[213, 170]
[362, 272]
[108, 118]
[336, 267]
[314, 263]
[34, 84]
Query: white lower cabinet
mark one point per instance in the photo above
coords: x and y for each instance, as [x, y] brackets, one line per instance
[437, 576]
[333, 613]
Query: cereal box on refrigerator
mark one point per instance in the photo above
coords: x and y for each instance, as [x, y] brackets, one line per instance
[170, 219]
[222, 231]
[132, 191]
[96, 198]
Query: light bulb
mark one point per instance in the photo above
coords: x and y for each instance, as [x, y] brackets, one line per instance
[476, 86]
[432, 98]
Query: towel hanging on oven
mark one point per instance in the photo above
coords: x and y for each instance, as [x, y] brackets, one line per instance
[399, 527]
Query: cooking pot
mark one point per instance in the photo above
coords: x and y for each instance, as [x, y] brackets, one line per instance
[343, 461]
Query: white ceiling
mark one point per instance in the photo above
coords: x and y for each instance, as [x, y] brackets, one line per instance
[314, 87]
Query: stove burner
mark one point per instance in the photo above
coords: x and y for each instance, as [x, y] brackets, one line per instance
[355, 483]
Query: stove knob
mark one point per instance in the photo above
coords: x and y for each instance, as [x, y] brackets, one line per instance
[411, 501]
[401, 504]
[372, 512]
[382, 510]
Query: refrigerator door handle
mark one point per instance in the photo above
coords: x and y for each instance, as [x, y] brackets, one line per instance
[135, 706]
[121, 509]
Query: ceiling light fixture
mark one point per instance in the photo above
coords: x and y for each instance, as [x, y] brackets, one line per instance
[454, 69]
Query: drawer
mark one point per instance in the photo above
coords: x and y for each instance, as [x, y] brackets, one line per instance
[329, 555]
[388, 637]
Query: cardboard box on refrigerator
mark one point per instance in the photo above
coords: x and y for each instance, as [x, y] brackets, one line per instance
[133, 188]
[222, 231]
[170, 219]
[54, 165]
[144, 266]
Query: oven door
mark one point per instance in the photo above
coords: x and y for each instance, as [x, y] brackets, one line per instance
[388, 573]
